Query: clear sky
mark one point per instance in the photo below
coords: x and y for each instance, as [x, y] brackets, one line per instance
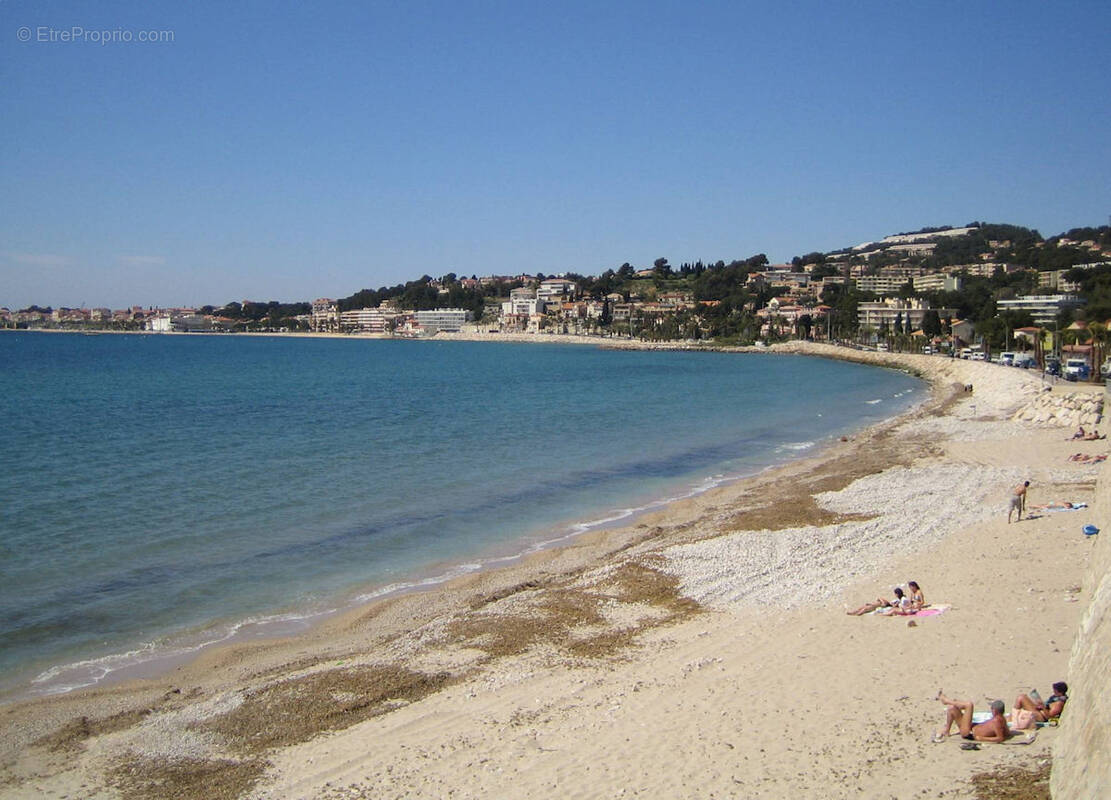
[291, 150]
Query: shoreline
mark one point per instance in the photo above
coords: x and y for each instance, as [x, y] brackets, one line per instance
[148, 661]
[606, 600]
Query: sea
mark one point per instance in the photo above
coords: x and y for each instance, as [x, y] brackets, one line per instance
[163, 493]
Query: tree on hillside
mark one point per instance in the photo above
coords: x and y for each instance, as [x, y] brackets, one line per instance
[808, 259]
[824, 270]
[931, 323]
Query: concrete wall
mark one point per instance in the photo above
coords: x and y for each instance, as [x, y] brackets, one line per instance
[1082, 751]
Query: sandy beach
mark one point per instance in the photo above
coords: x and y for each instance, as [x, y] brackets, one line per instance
[702, 652]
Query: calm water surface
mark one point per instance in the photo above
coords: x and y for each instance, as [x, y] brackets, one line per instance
[159, 492]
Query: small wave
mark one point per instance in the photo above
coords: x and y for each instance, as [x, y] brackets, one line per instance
[795, 446]
[434, 580]
[63, 678]
[873, 402]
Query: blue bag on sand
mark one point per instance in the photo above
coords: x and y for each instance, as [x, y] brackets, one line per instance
[1090, 530]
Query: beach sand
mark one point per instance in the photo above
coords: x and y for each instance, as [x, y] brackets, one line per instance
[702, 652]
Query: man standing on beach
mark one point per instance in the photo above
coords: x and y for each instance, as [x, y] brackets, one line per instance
[1018, 501]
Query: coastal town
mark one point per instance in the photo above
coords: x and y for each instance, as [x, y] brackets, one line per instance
[898, 293]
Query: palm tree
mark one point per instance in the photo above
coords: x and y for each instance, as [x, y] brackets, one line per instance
[1040, 340]
[1099, 334]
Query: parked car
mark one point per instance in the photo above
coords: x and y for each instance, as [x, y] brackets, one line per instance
[977, 355]
[1007, 358]
[1077, 369]
[1024, 360]
[1053, 367]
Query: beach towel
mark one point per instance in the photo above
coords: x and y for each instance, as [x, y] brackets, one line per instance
[1027, 737]
[931, 611]
[1075, 507]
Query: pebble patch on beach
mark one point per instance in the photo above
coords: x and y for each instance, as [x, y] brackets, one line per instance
[789, 568]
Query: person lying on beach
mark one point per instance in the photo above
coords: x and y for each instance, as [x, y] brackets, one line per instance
[1080, 434]
[881, 603]
[1052, 504]
[1084, 458]
[1030, 709]
[1091, 437]
[901, 606]
[960, 713]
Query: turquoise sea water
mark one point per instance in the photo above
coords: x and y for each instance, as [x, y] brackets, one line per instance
[160, 492]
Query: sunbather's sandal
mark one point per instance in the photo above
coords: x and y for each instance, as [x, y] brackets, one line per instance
[937, 738]
[970, 745]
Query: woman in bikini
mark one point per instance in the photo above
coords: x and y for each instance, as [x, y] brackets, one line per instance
[917, 599]
[1030, 710]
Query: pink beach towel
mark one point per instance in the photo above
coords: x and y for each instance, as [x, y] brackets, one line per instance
[932, 611]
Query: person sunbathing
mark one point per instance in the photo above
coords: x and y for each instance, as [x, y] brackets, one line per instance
[959, 712]
[879, 603]
[917, 599]
[1080, 434]
[1030, 709]
[1053, 504]
[1093, 436]
[901, 606]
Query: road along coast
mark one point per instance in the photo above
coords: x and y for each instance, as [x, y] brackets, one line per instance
[703, 651]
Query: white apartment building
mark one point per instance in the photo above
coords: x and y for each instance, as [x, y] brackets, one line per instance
[938, 282]
[367, 320]
[551, 289]
[983, 270]
[325, 314]
[1043, 308]
[1055, 279]
[885, 313]
[160, 323]
[881, 284]
[448, 320]
[523, 303]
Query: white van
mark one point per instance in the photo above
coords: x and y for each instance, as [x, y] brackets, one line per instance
[1077, 369]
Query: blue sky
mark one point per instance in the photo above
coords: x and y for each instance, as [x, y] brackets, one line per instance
[288, 150]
